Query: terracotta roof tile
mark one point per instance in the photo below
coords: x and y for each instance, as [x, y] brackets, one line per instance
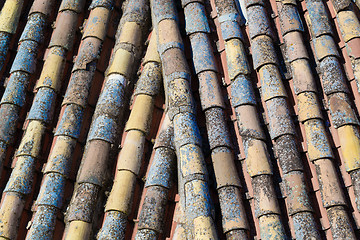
[20, 181]
[266, 134]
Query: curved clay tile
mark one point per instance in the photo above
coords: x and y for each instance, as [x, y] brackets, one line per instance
[9, 20]
[20, 184]
[257, 157]
[297, 166]
[192, 174]
[318, 145]
[243, 101]
[234, 221]
[349, 25]
[119, 202]
[50, 198]
[159, 181]
[23, 67]
[105, 124]
[344, 120]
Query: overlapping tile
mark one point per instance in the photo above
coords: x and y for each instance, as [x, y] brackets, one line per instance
[342, 113]
[23, 67]
[192, 173]
[234, 220]
[281, 131]
[160, 180]
[9, 19]
[318, 145]
[349, 25]
[105, 125]
[50, 199]
[20, 184]
[312, 151]
[128, 166]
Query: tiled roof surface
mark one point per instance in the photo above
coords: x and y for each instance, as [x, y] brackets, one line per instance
[192, 119]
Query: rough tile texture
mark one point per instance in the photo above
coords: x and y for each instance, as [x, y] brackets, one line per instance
[309, 176]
